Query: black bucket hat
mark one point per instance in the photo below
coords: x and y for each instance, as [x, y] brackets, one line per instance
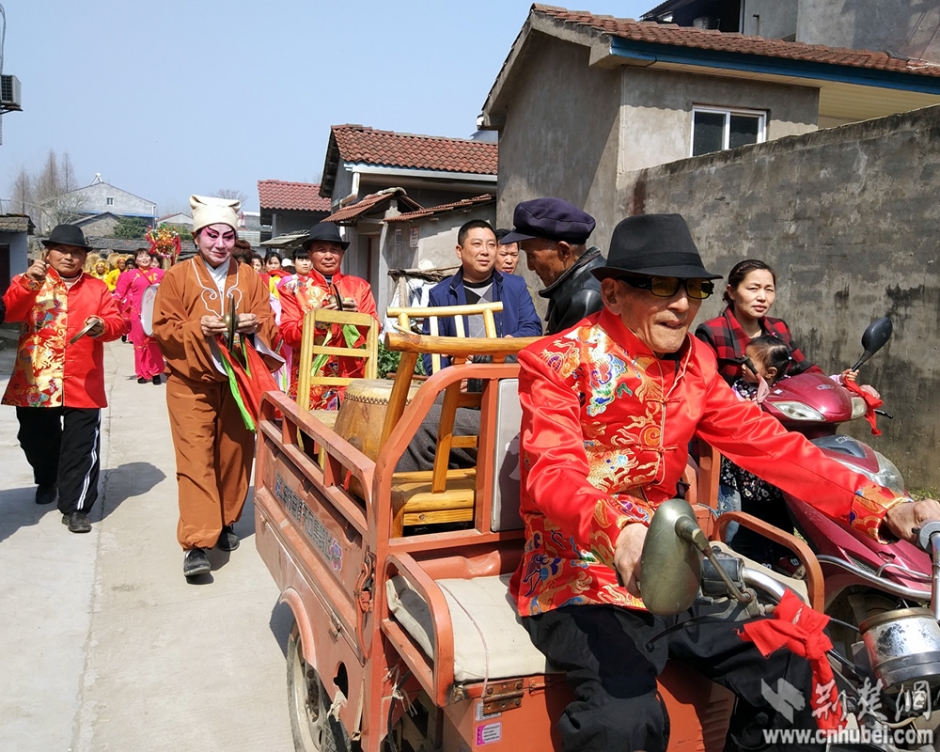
[654, 245]
[327, 232]
[67, 235]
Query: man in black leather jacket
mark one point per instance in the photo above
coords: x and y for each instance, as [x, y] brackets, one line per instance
[553, 234]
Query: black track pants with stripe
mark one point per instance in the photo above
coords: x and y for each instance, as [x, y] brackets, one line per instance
[63, 446]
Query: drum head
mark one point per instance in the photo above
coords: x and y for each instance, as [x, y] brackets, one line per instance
[146, 309]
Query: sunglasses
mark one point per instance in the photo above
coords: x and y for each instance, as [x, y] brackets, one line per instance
[666, 287]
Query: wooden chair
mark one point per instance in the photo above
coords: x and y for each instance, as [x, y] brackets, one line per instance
[309, 350]
[406, 315]
[439, 495]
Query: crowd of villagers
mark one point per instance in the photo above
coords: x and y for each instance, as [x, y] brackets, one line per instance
[307, 278]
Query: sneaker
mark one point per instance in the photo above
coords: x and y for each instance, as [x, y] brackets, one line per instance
[77, 522]
[46, 494]
[141, 380]
[195, 562]
[157, 380]
[228, 539]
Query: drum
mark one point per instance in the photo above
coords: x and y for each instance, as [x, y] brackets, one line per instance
[362, 414]
[146, 309]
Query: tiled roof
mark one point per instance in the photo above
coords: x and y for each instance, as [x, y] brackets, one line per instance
[716, 41]
[357, 143]
[16, 223]
[278, 194]
[373, 201]
[467, 203]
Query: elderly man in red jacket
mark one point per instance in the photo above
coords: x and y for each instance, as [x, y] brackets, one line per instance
[608, 409]
[57, 384]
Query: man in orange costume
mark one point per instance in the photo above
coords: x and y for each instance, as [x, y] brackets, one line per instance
[322, 287]
[214, 449]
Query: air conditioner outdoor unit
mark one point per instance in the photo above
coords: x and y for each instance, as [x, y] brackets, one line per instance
[10, 96]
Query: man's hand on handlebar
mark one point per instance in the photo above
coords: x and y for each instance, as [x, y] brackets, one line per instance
[627, 556]
[902, 519]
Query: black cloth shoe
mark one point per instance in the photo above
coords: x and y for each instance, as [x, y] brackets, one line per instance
[77, 522]
[195, 563]
[46, 494]
[157, 380]
[228, 540]
[141, 380]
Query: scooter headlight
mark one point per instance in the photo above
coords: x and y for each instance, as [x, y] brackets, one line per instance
[888, 474]
[799, 411]
[859, 408]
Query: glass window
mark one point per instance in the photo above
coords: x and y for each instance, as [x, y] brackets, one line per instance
[709, 133]
[110, 201]
[715, 129]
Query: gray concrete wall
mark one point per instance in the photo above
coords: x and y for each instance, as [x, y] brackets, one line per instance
[771, 19]
[18, 242]
[906, 27]
[607, 127]
[437, 239]
[562, 144]
[95, 197]
[849, 219]
[657, 111]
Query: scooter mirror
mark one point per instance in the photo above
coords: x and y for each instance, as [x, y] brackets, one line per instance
[670, 566]
[875, 337]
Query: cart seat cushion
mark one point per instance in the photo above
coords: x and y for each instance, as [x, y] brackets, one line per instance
[489, 639]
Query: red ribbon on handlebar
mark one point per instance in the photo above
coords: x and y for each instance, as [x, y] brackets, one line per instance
[797, 627]
[871, 401]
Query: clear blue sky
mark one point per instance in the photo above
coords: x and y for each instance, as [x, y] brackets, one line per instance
[175, 97]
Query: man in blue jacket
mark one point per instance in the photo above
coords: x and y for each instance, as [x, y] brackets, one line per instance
[477, 281]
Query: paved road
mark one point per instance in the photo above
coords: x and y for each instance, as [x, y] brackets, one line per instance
[106, 648]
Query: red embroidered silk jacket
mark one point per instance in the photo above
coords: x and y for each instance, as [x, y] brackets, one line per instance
[48, 371]
[605, 430]
[302, 294]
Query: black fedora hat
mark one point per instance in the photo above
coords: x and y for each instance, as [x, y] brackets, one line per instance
[67, 235]
[327, 232]
[654, 245]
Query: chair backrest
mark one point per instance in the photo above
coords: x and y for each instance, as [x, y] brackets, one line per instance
[309, 349]
[453, 397]
[406, 315]
[504, 514]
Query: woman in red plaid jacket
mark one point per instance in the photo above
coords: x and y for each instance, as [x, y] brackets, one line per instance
[750, 296]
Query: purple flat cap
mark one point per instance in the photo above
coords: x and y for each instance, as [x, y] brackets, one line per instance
[549, 218]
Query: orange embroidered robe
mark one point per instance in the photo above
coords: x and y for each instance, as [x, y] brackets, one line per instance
[214, 450]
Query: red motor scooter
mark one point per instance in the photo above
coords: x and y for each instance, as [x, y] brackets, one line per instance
[875, 593]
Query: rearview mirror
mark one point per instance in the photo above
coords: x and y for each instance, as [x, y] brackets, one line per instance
[670, 567]
[875, 337]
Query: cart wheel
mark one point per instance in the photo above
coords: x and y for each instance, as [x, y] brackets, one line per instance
[313, 728]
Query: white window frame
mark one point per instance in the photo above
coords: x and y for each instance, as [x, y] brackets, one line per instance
[761, 116]
[109, 200]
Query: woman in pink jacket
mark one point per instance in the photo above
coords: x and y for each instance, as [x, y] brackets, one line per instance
[148, 360]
